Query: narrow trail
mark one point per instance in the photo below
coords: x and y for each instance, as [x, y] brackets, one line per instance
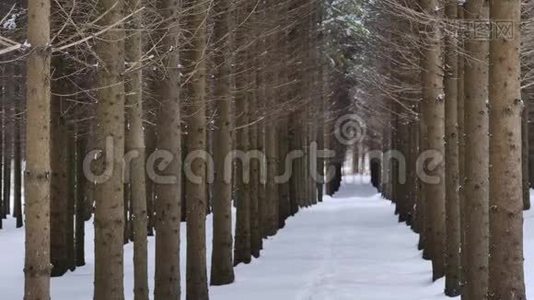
[349, 247]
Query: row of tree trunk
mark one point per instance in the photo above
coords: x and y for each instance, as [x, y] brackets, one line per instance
[464, 159]
[160, 114]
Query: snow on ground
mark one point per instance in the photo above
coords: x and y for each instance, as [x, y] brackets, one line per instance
[348, 248]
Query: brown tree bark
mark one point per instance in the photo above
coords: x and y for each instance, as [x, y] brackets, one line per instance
[271, 150]
[167, 201]
[150, 147]
[7, 149]
[422, 220]
[80, 200]
[475, 247]
[126, 230]
[17, 163]
[524, 157]
[242, 247]
[253, 95]
[222, 271]
[3, 100]
[284, 207]
[37, 173]
[461, 140]
[109, 195]
[434, 117]
[135, 142]
[453, 226]
[71, 198]
[195, 189]
[59, 184]
[506, 274]
[256, 238]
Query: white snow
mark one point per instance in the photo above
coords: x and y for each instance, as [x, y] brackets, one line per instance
[349, 247]
[11, 23]
[26, 45]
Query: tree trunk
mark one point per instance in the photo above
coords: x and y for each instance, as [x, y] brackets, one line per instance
[59, 185]
[271, 147]
[256, 238]
[109, 195]
[71, 199]
[150, 147]
[80, 200]
[8, 151]
[355, 156]
[321, 143]
[421, 200]
[89, 185]
[524, 156]
[37, 175]
[433, 115]
[461, 144]
[506, 274]
[293, 180]
[453, 230]
[476, 194]
[242, 248]
[127, 202]
[413, 180]
[168, 194]
[17, 166]
[135, 142]
[8, 144]
[253, 95]
[196, 197]
[284, 208]
[222, 271]
[3, 100]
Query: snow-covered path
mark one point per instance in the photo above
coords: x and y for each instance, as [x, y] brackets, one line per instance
[349, 247]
